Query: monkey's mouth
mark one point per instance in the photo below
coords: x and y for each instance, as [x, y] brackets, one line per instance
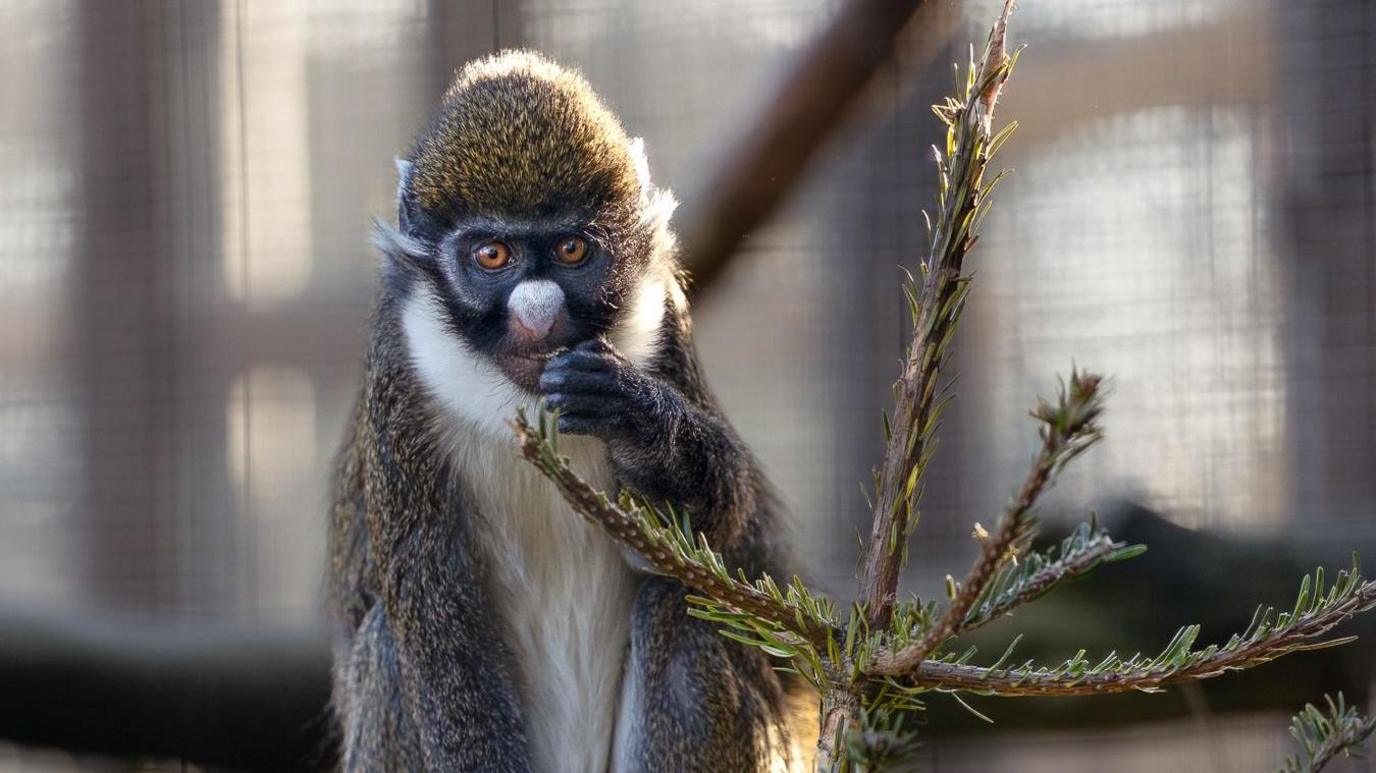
[524, 369]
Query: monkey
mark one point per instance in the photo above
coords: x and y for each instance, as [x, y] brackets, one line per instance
[481, 624]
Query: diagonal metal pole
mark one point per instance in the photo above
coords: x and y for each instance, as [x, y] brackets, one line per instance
[818, 93]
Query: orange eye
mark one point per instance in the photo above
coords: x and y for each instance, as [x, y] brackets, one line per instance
[492, 255]
[571, 250]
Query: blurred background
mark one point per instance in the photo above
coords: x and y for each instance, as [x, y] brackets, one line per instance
[185, 198]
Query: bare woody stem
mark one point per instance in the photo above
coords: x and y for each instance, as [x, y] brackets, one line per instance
[896, 505]
[839, 711]
[937, 307]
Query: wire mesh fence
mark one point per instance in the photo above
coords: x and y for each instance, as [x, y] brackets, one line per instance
[185, 282]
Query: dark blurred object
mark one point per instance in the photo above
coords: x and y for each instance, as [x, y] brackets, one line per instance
[208, 694]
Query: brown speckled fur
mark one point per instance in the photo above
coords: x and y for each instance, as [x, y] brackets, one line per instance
[517, 133]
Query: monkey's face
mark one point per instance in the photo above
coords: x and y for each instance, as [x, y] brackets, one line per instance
[528, 219]
[518, 290]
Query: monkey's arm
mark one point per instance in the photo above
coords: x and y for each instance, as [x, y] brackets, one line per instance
[451, 662]
[665, 444]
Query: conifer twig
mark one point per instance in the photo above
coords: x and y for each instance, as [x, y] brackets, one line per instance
[1317, 610]
[1069, 428]
[936, 307]
[1036, 574]
[1324, 735]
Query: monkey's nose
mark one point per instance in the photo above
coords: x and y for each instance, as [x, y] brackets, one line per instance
[535, 307]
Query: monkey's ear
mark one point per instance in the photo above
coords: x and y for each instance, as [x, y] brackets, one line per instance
[405, 204]
[402, 256]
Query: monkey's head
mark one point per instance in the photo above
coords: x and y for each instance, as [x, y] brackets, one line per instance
[527, 219]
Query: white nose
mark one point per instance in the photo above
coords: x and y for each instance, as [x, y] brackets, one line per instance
[535, 306]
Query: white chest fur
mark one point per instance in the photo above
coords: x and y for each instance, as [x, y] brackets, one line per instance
[563, 589]
[565, 595]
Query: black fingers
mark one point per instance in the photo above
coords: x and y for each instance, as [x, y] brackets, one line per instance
[594, 389]
[599, 426]
[566, 379]
[589, 404]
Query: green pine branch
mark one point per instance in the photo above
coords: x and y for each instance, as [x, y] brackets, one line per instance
[935, 304]
[1317, 610]
[1032, 576]
[1322, 736]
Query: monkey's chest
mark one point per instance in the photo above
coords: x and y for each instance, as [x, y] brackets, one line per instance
[565, 594]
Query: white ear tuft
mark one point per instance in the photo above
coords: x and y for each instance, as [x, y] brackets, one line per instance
[656, 210]
[394, 244]
[656, 204]
[642, 164]
[403, 175]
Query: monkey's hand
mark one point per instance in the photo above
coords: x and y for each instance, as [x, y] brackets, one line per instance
[599, 392]
[662, 445]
